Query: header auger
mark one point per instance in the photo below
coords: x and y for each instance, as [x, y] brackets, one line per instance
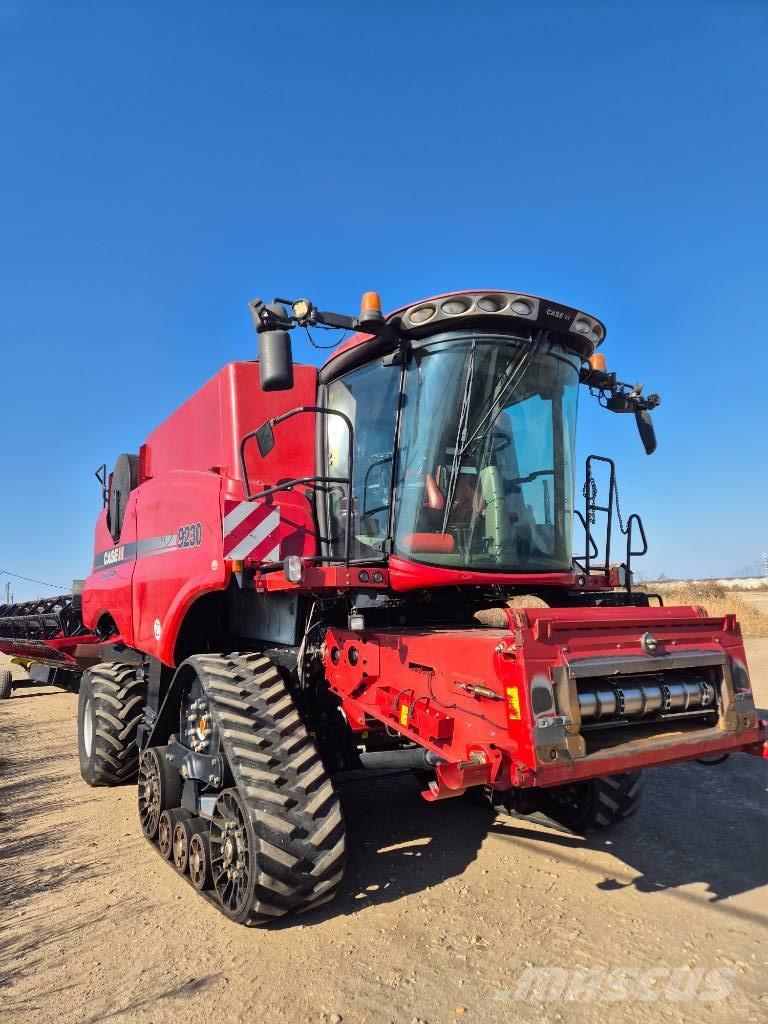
[303, 572]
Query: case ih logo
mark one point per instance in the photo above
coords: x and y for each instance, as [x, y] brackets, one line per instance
[114, 555]
[251, 530]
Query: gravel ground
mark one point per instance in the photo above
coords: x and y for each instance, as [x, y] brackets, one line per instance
[442, 914]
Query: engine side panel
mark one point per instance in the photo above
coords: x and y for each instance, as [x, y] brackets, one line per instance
[180, 555]
[107, 591]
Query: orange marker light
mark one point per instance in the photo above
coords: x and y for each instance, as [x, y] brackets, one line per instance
[370, 307]
[597, 362]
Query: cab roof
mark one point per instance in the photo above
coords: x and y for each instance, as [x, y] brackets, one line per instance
[473, 307]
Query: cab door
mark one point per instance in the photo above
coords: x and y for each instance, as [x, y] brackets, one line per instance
[368, 397]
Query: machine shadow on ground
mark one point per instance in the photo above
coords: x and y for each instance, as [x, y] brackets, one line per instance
[407, 846]
[20, 693]
[398, 845]
[711, 832]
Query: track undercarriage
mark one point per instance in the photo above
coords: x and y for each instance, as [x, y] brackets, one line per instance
[239, 800]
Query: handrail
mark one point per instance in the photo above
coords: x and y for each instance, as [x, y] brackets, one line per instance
[588, 520]
[634, 518]
[578, 559]
[591, 507]
[288, 484]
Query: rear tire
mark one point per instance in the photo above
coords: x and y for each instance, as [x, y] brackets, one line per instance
[6, 683]
[595, 803]
[109, 709]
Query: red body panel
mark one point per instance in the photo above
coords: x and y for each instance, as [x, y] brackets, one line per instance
[108, 589]
[409, 575]
[167, 581]
[172, 547]
[205, 432]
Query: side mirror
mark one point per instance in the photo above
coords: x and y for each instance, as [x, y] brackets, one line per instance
[265, 438]
[275, 358]
[646, 431]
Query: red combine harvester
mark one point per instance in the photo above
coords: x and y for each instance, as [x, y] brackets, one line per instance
[307, 572]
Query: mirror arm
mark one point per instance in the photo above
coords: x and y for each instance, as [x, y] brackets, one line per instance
[266, 319]
[618, 396]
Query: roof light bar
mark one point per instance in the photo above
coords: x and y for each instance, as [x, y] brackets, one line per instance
[507, 304]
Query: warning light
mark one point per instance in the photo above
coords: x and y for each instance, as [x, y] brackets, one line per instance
[294, 568]
[597, 362]
[370, 307]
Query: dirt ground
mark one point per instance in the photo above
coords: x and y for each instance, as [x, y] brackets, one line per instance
[760, 601]
[443, 910]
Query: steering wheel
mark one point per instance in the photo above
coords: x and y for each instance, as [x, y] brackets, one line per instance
[499, 442]
[531, 476]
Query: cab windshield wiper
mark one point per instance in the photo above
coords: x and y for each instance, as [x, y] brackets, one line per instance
[461, 435]
[514, 376]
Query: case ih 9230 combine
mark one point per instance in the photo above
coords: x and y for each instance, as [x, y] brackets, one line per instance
[288, 579]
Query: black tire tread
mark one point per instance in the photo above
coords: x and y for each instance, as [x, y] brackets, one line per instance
[617, 797]
[611, 800]
[118, 697]
[300, 835]
[6, 683]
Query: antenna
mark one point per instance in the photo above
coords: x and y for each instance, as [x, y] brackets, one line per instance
[765, 563]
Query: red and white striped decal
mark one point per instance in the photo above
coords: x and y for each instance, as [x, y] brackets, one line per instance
[251, 530]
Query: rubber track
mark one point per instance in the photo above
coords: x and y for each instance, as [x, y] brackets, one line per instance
[293, 808]
[119, 699]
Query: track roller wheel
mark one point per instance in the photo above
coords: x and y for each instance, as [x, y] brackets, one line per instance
[109, 709]
[595, 803]
[277, 837]
[167, 823]
[200, 861]
[232, 860]
[182, 836]
[160, 787]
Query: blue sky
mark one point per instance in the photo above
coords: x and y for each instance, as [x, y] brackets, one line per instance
[161, 163]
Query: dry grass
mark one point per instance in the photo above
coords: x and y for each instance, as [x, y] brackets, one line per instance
[711, 596]
[716, 600]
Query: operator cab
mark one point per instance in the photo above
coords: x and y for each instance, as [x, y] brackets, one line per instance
[473, 431]
[449, 428]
